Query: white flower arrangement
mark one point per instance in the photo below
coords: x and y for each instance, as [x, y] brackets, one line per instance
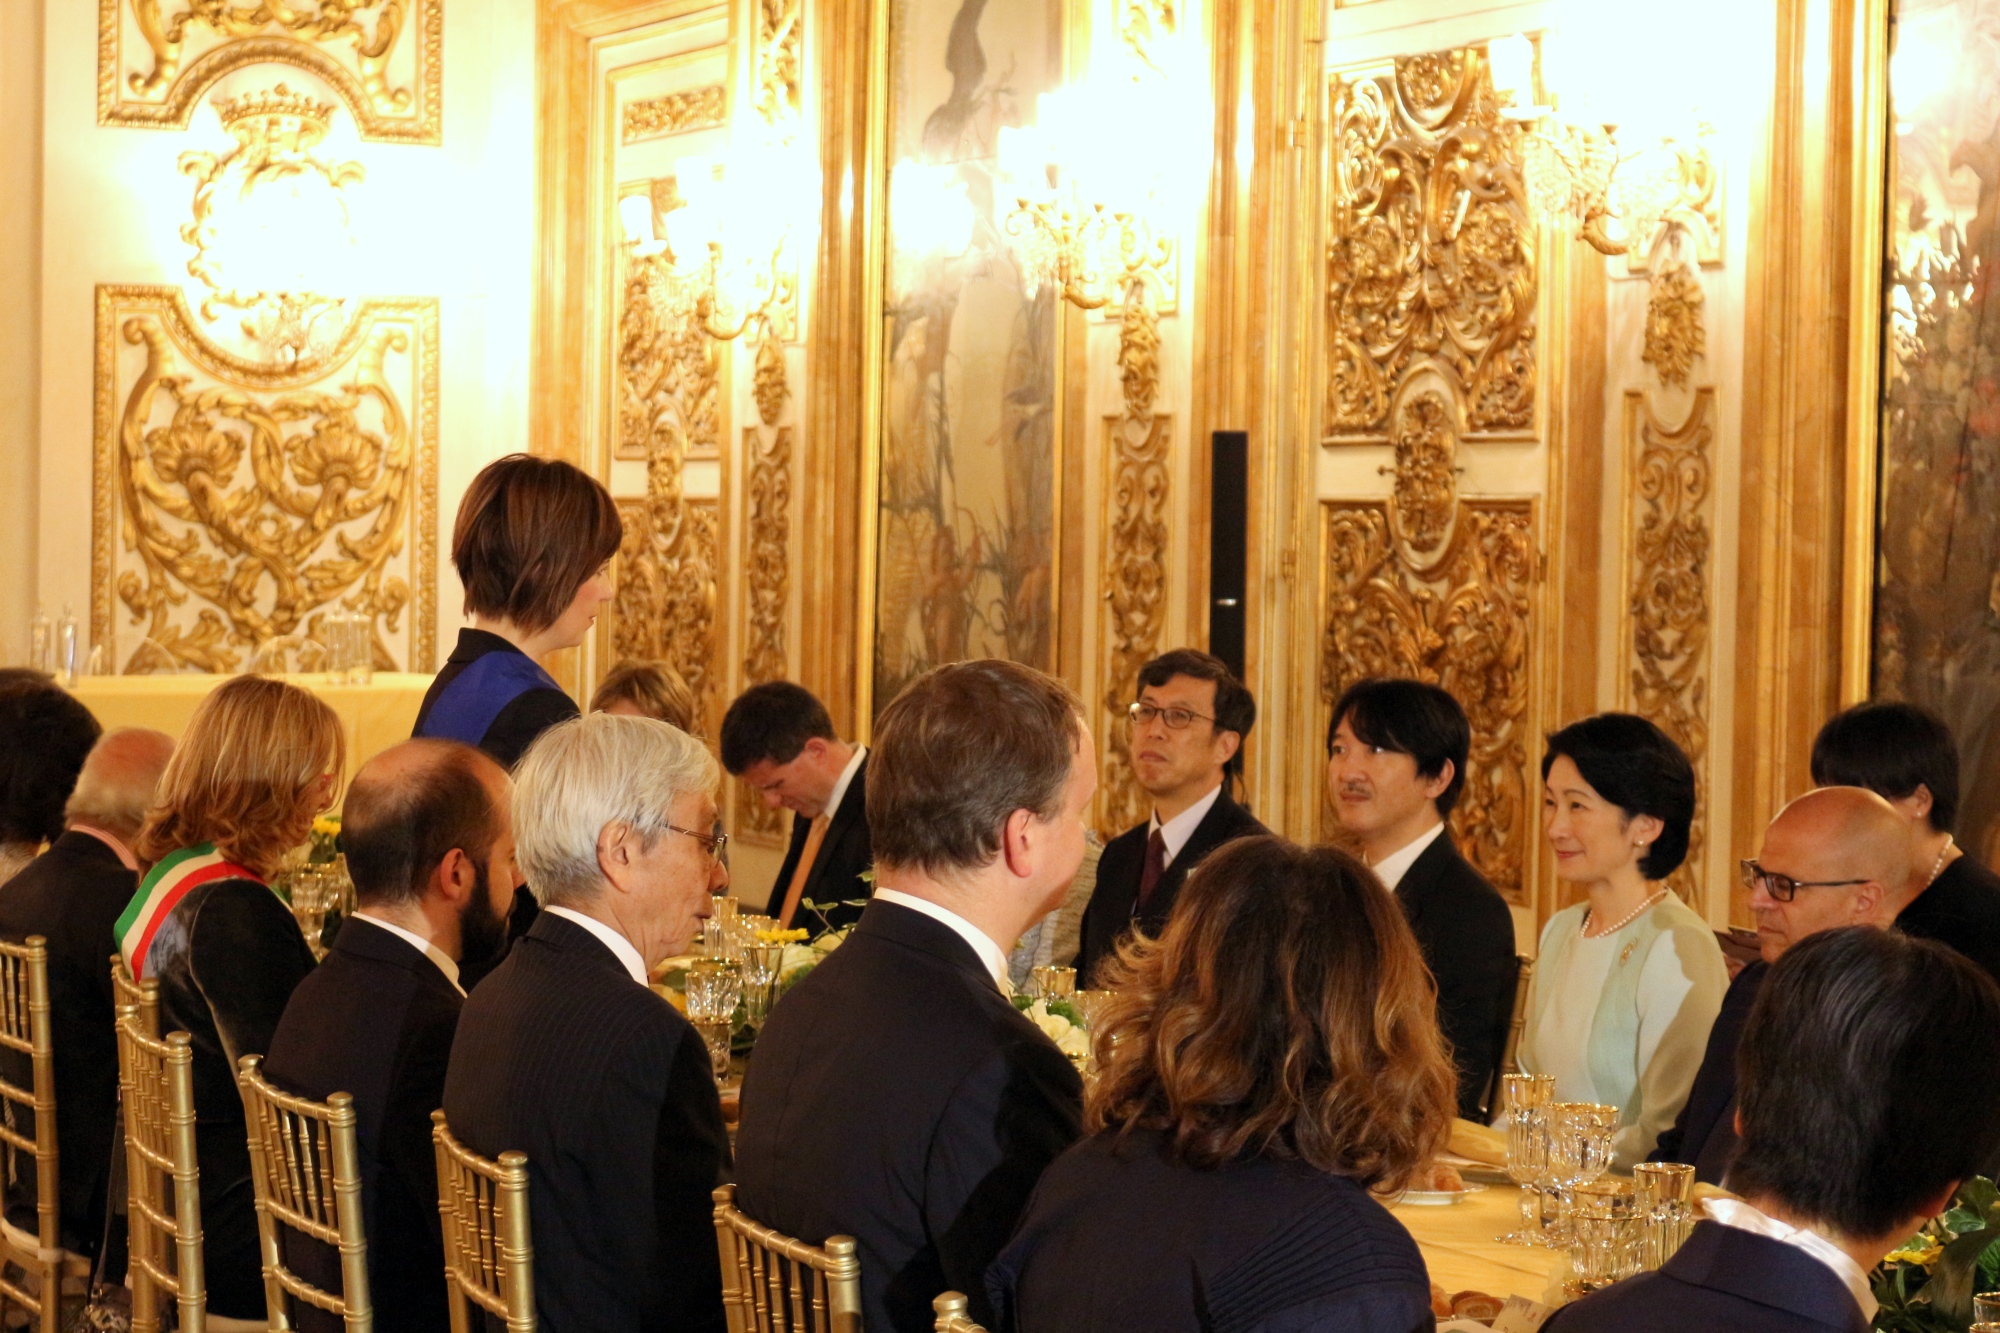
[1072, 1040]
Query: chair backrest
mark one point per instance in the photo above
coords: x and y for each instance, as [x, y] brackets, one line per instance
[1510, 1060]
[24, 1027]
[1508, 1021]
[142, 999]
[163, 1176]
[772, 1283]
[951, 1315]
[306, 1170]
[489, 1257]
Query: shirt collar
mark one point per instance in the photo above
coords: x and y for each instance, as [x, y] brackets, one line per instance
[445, 963]
[846, 776]
[1391, 868]
[621, 948]
[1176, 831]
[991, 956]
[111, 840]
[1742, 1216]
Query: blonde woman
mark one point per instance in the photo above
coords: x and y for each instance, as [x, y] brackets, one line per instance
[259, 759]
[647, 689]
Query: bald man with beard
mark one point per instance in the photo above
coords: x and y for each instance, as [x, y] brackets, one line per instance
[1835, 857]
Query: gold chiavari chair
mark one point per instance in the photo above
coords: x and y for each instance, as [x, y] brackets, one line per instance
[951, 1315]
[774, 1284]
[143, 1000]
[489, 1258]
[306, 1170]
[1509, 1063]
[24, 1027]
[163, 1176]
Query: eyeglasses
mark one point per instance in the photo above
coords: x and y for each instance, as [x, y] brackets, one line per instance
[1177, 719]
[713, 843]
[1783, 887]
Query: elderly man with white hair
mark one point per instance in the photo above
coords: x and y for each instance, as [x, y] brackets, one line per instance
[564, 1053]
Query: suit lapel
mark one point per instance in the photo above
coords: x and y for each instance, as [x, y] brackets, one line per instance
[851, 815]
[1414, 889]
[362, 938]
[1216, 827]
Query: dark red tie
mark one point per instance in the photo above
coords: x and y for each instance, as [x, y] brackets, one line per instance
[1156, 865]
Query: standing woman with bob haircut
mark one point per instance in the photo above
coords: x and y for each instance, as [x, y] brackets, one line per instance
[1628, 983]
[1267, 1066]
[533, 547]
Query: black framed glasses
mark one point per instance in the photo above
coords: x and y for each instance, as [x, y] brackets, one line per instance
[1177, 719]
[1783, 888]
[713, 843]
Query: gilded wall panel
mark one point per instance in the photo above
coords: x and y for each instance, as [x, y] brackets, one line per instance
[667, 574]
[384, 58]
[236, 504]
[767, 453]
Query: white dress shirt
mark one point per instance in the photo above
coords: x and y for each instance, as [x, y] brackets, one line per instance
[1176, 831]
[1391, 868]
[618, 944]
[1738, 1214]
[846, 776]
[990, 954]
[444, 961]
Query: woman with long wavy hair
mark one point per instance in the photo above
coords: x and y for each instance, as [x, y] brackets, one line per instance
[1268, 1067]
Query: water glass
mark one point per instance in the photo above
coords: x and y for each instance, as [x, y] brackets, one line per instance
[1526, 1099]
[1051, 983]
[1090, 1006]
[1666, 1202]
[714, 989]
[312, 892]
[1986, 1308]
[716, 1034]
[1579, 1151]
[760, 978]
[1605, 1220]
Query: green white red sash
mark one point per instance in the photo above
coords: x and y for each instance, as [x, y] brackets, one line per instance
[161, 891]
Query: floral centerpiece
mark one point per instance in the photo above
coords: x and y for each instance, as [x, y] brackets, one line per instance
[1926, 1284]
[1060, 1023]
[325, 844]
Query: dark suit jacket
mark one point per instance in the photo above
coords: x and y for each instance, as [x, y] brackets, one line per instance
[897, 1097]
[844, 856]
[72, 895]
[1467, 936]
[1724, 1280]
[1704, 1134]
[1114, 904]
[1121, 1239]
[375, 1020]
[562, 1056]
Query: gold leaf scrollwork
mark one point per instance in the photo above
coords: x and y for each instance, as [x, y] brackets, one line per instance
[1430, 250]
[1674, 332]
[674, 113]
[780, 40]
[1143, 22]
[1461, 621]
[766, 578]
[1426, 471]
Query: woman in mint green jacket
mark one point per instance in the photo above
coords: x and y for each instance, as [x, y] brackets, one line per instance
[1627, 983]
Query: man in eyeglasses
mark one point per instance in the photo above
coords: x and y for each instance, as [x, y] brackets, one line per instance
[1187, 732]
[1836, 856]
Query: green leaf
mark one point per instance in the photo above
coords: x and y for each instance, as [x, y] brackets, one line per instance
[1951, 1284]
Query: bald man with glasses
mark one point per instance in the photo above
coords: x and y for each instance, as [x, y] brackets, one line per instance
[1835, 857]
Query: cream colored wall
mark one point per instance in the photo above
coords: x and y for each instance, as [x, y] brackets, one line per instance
[20, 240]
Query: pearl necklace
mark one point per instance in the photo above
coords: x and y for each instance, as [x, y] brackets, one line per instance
[1937, 866]
[1627, 920]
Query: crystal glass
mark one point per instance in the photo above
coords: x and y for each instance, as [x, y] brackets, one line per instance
[1090, 1006]
[760, 978]
[1666, 1203]
[1579, 1152]
[716, 1034]
[1051, 983]
[1605, 1222]
[1526, 1099]
[714, 989]
[312, 889]
[1986, 1308]
[747, 926]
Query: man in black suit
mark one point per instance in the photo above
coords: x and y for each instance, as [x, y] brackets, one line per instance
[779, 739]
[1842, 1158]
[565, 1053]
[1832, 858]
[1187, 732]
[430, 845]
[71, 895]
[895, 1095]
[1396, 754]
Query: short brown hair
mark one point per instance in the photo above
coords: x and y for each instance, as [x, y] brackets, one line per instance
[396, 827]
[243, 774]
[654, 688]
[1286, 1012]
[958, 751]
[530, 531]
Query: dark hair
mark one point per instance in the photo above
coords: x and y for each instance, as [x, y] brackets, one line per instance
[1235, 708]
[1857, 1082]
[1286, 1012]
[1891, 749]
[773, 722]
[959, 751]
[654, 688]
[530, 532]
[1638, 768]
[396, 829]
[45, 735]
[1412, 718]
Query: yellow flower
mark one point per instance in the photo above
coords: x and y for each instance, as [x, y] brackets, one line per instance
[781, 936]
[1922, 1250]
[326, 826]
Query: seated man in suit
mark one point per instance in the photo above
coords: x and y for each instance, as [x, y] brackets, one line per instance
[1187, 734]
[778, 738]
[1842, 1158]
[1834, 857]
[895, 1095]
[565, 1053]
[1396, 753]
[430, 844]
[71, 895]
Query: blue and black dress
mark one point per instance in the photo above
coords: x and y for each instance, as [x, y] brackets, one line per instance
[492, 695]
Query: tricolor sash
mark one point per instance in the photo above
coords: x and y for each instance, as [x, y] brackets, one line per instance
[161, 891]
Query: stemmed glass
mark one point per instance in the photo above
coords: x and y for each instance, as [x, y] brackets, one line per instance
[1579, 1152]
[1526, 1098]
[312, 890]
[1051, 983]
[714, 988]
[760, 977]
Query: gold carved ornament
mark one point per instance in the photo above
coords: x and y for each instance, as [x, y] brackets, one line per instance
[767, 556]
[1674, 332]
[674, 113]
[780, 42]
[1430, 250]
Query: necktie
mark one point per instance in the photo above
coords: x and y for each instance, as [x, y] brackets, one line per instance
[815, 835]
[1156, 865]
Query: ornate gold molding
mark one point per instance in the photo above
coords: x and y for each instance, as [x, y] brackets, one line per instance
[1425, 470]
[150, 74]
[339, 504]
[1670, 538]
[667, 369]
[1675, 335]
[766, 573]
[780, 60]
[674, 113]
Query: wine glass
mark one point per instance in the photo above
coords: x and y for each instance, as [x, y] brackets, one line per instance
[311, 890]
[1526, 1098]
[1051, 983]
[1579, 1151]
[714, 988]
[760, 977]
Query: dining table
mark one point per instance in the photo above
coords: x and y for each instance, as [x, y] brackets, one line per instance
[1463, 1253]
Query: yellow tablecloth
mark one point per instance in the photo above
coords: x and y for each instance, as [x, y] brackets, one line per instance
[374, 716]
[1462, 1254]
